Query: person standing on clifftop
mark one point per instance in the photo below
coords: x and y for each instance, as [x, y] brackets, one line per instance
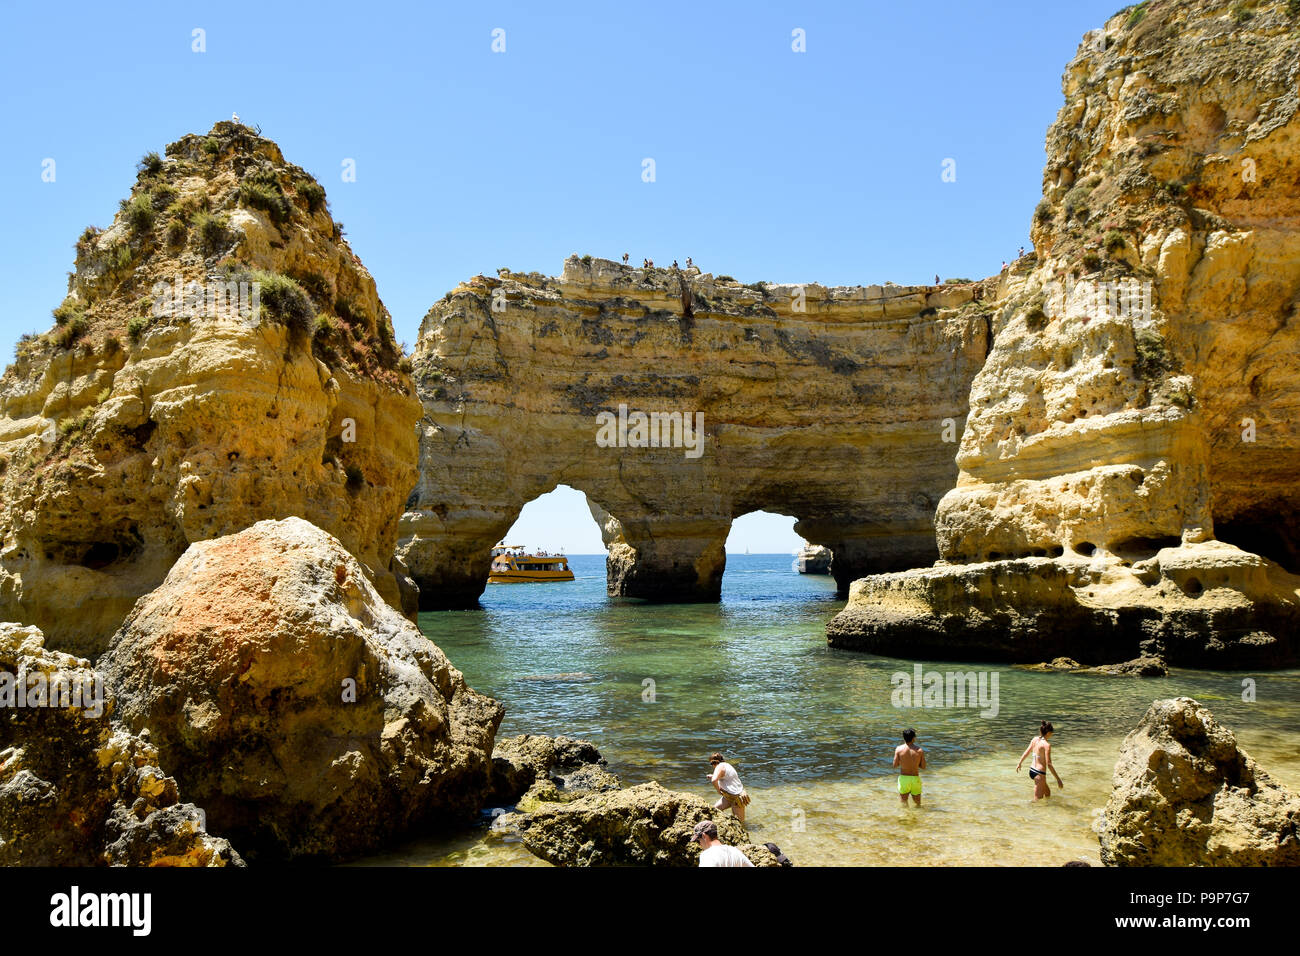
[726, 781]
[625, 258]
[910, 761]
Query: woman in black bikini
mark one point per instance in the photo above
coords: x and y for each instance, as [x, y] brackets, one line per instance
[1041, 748]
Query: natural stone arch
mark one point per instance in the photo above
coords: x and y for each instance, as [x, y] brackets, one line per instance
[839, 406]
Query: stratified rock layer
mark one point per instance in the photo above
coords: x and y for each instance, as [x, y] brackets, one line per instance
[132, 429]
[1140, 396]
[309, 718]
[75, 790]
[839, 406]
[1184, 794]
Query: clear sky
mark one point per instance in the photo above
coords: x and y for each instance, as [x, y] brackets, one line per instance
[769, 164]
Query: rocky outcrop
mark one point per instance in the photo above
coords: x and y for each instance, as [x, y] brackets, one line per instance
[1137, 405]
[1185, 794]
[309, 718]
[645, 825]
[76, 790]
[222, 357]
[530, 768]
[813, 559]
[807, 397]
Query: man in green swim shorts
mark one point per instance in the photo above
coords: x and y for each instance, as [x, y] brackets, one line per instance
[910, 761]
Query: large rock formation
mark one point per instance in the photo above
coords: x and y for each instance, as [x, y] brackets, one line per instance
[828, 404]
[309, 718]
[530, 768]
[645, 825]
[76, 790]
[1184, 794]
[1138, 402]
[157, 412]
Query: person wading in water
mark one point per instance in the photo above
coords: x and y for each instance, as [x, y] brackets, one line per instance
[726, 781]
[910, 761]
[1041, 748]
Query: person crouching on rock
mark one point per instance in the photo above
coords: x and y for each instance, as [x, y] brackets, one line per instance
[713, 852]
[726, 781]
[1041, 748]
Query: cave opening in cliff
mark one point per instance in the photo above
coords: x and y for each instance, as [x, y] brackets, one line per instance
[558, 524]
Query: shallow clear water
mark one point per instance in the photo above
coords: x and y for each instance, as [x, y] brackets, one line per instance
[812, 730]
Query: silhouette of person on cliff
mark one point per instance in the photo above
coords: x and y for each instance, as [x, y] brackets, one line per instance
[625, 258]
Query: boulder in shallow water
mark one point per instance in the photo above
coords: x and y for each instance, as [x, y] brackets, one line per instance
[645, 825]
[307, 716]
[1184, 794]
[75, 790]
[530, 767]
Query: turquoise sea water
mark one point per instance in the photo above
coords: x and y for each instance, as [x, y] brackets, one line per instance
[812, 730]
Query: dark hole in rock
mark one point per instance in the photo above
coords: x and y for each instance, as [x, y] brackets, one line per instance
[1140, 548]
[1273, 534]
[1085, 548]
[1193, 587]
[100, 555]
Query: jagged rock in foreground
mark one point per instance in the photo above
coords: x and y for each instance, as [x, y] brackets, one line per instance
[530, 768]
[74, 789]
[645, 825]
[308, 717]
[139, 424]
[1138, 401]
[829, 404]
[1184, 794]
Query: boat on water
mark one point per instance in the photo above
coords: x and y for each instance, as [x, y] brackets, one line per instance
[513, 564]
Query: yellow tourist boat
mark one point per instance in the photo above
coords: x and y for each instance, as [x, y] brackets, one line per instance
[511, 564]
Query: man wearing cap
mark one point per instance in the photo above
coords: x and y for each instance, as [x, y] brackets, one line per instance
[713, 852]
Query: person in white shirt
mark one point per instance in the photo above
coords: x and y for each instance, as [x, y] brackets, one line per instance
[713, 852]
[726, 781]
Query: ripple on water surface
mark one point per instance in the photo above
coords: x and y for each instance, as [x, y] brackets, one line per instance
[810, 729]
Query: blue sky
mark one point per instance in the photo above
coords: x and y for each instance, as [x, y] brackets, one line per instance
[769, 164]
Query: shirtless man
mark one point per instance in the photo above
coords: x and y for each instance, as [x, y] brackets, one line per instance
[910, 761]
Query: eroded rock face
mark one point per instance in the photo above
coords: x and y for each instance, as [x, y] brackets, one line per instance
[809, 398]
[132, 428]
[645, 825]
[76, 790]
[530, 768]
[308, 717]
[1140, 389]
[1184, 794]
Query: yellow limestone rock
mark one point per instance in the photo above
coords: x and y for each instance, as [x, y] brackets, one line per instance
[142, 423]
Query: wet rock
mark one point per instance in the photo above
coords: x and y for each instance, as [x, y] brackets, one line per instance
[1138, 667]
[74, 789]
[1184, 794]
[530, 768]
[307, 716]
[645, 825]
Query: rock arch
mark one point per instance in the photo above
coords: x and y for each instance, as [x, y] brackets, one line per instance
[831, 404]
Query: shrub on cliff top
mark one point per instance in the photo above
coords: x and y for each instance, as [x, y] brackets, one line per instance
[213, 231]
[313, 193]
[150, 164]
[1136, 13]
[138, 210]
[1152, 356]
[284, 301]
[1114, 241]
[261, 190]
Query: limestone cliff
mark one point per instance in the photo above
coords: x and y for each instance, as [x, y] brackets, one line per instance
[1139, 398]
[222, 356]
[828, 404]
